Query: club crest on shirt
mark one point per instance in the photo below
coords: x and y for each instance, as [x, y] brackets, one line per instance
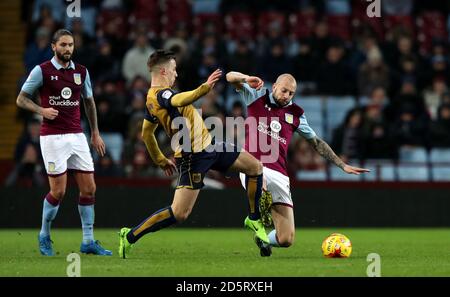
[289, 118]
[77, 78]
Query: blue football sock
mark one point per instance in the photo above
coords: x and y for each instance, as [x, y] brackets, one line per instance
[87, 215]
[49, 211]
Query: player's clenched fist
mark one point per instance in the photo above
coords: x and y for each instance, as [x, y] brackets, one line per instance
[254, 82]
[49, 113]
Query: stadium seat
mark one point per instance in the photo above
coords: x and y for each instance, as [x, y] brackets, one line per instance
[380, 170]
[339, 26]
[240, 25]
[440, 155]
[413, 154]
[118, 19]
[201, 21]
[440, 173]
[336, 174]
[409, 172]
[174, 13]
[267, 18]
[311, 175]
[301, 24]
[336, 108]
[310, 103]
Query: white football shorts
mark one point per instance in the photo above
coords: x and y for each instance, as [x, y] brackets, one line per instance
[66, 151]
[277, 184]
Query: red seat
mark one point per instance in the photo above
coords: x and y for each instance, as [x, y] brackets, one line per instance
[405, 21]
[147, 12]
[113, 21]
[200, 22]
[240, 25]
[301, 24]
[175, 12]
[339, 26]
[267, 18]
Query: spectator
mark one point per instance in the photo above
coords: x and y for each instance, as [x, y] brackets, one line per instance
[334, 77]
[373, 73]
[434, 95]
[378, 142]
[39, 51]
[27, 157]
[242, 59]
[275, 63]
[440, 128]
[105, 65]
[409, 130]
[348, 138]
[110, 125]
[304, 157]
[135, 60]
[105, 166]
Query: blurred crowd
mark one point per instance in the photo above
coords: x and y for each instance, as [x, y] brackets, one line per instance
[396, 68]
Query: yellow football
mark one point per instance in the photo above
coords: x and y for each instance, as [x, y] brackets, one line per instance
[337, 246]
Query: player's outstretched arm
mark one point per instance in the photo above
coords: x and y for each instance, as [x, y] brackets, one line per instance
[91, 114]
[148, 135]
[186, 98]
[237, 79]
[23, 101]
[325, 151]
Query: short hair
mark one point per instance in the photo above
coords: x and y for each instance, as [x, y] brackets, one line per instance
[58, 34]
[159, 57]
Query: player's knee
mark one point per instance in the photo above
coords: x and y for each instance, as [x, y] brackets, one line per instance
[256, 168]
[286, 240]
[58, 194]
[89, 190]
[181, 215]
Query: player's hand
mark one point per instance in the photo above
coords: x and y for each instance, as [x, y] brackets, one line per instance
[98, 144]
[169, 168]
[214, 77]
[254, 82]
[49, 113]
[354, 170]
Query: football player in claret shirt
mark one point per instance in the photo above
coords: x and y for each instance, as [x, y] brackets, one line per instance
[277, 119]
[62, 86]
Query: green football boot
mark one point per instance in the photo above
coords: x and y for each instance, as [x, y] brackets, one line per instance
[124, 245]
[258, 227]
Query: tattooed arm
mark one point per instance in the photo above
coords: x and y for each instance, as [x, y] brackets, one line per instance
[24, 101]
[325, 151]
[91, 114]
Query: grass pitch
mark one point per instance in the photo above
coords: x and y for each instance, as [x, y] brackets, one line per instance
[231, 252]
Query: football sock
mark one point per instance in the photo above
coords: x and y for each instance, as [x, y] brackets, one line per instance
[254, 190]
[87, 215]
[161, 219]
[49, 211]
[273, 241]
